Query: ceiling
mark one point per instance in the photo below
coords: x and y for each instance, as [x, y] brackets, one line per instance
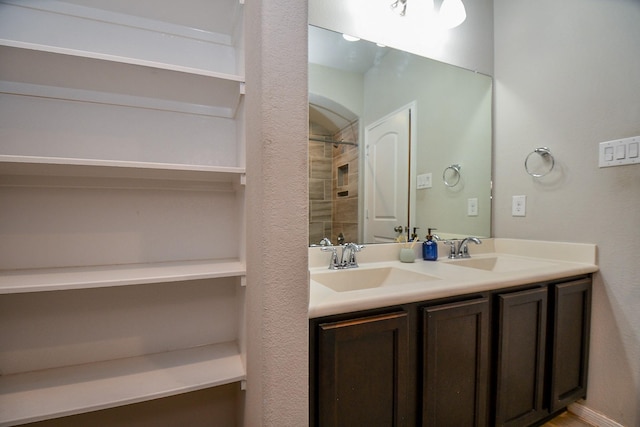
[330, 49]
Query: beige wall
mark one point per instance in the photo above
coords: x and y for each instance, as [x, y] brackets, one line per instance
[277, 206]
[567, 76]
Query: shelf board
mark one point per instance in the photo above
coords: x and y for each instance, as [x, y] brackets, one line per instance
[72, 167]
[90, 79]
[58, 279]
[101, 34]
[58, 392]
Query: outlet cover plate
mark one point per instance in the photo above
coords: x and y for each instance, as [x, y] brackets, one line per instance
[472, 206]
[519, 206]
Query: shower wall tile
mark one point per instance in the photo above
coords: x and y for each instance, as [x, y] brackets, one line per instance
[317, 189]
[320, 210]
[330, 215]
[321, 168]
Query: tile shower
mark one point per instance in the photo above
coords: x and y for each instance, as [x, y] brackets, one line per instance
[333, 187]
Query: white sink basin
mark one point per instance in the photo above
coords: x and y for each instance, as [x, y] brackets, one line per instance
[500, 264]
[357, 278]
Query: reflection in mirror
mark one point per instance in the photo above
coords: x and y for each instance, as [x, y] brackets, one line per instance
[386, 127]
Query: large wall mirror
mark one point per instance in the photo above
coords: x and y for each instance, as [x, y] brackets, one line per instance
[397, 142]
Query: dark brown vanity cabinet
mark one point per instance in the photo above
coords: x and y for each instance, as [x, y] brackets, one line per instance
[541, 350]
[362, 372]
[570, 322]
[455, 359]
[501, 358]
[520, 357]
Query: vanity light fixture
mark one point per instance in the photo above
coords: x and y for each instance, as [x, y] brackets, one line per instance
[452, 13]
[349, 38]
[399, 6]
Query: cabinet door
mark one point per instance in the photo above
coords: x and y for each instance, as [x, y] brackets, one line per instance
[571, 321]
[521, 357]
[455, 362]
[362, 372]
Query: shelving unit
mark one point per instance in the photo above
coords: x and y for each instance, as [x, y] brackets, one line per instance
[122, 174]
[58, 279]
[66, 391]
[59, 166]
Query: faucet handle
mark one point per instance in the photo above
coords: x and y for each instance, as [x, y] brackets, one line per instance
[351, 249]
[452, 249]
[333, 263]
[325, 242]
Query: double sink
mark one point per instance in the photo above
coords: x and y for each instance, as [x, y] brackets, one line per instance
[382, 280]
[376, 277]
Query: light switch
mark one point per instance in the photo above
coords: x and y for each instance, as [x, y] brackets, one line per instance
[608, 154]
[424, 181]
[619, 152]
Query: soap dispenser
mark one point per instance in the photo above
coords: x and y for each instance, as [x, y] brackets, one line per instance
[430, 247]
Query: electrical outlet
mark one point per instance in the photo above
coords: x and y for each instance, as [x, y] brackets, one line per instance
[519, 206]
[472, 207]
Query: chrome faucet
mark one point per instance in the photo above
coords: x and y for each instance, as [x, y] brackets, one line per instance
[462, 249]
[347, 258]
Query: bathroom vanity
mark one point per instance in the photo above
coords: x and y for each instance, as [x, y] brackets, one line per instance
[502, 340]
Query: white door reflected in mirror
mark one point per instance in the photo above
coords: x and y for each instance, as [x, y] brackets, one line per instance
[386, 179]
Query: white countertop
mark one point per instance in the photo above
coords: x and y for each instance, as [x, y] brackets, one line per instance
[548, 261]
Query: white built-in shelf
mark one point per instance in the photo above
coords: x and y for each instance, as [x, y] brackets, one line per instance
[72, 29]
[57, 279]
[61, 50]
[11, 165]
[58, 392]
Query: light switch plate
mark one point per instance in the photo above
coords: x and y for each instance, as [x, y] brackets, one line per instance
[619, 152]
[519, 206]
[424, 181]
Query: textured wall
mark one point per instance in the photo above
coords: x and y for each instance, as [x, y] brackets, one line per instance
[276, 194]
[567, 76]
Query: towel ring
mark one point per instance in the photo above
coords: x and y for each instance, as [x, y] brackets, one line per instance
[455, 174]
[547, 157]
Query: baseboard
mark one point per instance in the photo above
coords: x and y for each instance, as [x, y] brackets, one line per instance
[592, 417]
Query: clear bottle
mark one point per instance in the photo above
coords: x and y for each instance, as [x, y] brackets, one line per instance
[430, 247]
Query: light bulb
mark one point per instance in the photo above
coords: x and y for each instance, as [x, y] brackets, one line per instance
[452, 13]
[349, 38]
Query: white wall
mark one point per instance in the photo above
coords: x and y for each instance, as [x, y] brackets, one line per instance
[567, 76]
[468, 46]
[277, 214]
